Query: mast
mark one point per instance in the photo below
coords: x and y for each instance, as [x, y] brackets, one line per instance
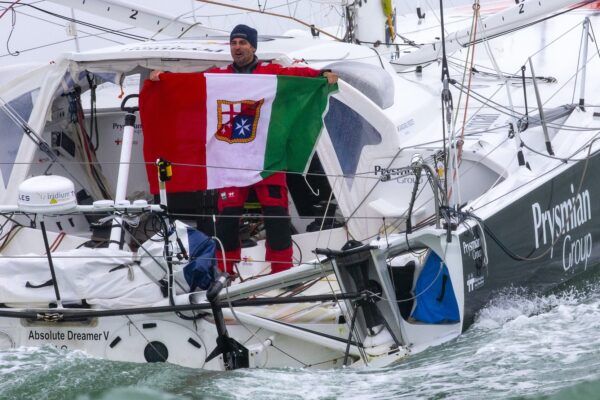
[371, 22]
[447, 106]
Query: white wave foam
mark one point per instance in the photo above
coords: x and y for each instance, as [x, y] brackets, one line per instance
[517, 302]
[520, 345]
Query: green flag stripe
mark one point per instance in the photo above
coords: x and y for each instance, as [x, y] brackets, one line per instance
[295, 124]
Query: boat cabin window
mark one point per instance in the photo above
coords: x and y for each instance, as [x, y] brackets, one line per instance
[11, 132]
[349, 133]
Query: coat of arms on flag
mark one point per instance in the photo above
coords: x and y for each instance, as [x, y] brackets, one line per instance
[237, 120]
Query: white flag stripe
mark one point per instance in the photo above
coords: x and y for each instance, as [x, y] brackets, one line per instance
[237, 164]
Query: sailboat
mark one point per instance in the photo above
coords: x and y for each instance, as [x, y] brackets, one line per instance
[425, 198]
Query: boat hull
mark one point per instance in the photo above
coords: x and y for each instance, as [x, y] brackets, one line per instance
[168, 338]
[537, 242]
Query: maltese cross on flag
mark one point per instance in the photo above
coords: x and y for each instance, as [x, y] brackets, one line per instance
[237, 120]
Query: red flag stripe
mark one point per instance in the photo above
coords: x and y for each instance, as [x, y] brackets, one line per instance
[173, 114]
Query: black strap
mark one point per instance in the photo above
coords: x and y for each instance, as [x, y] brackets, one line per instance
[118, 267]
[45, 284]
[444, 281]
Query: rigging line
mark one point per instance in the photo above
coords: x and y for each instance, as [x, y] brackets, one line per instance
[12, 29]
[595, 40]
[99, 257]
[12, 233]
[488, 100]
[305, 365]
[555, 40]
[578, 61]
[437, 17]
[345, 312]
[240, 13]
[374, 186]
[378, 57]
[94, 26]
[539, 176]
[351, 331]
[445, 74]
[85, 146]
[569, 80]
[331, 289]
[64, 41]
[62, 26]
[175, 19]
[506, 111]
[88, 24]
[494, 76]
[508, 94]
[235, 316]
[18, 6]
[436, 142]
[437, 191]
[199, 215]
[369, 193]
[485, 156]
[260, 170]
[321, 228]
[10, 7]
[577, 6]
[104, 163]
[148, 342]
[565, 159]
[42, 145]
[446, 102]
[397, 220]
[458, 145]
[254, 334]
[515, 29]
[141, 245]
[471, 53]
[273, 15]
[518, 257]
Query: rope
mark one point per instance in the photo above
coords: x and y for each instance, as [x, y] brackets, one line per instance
[273, 15]
[10, 7]
[456, 160]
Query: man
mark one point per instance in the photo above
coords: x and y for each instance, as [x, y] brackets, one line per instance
[271, 192]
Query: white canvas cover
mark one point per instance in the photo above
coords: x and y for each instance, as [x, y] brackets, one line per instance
[103, 277]
[81, 274]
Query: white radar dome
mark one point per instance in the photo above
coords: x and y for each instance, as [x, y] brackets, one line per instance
[47, 194]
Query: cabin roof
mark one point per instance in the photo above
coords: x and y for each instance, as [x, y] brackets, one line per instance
[216, 48]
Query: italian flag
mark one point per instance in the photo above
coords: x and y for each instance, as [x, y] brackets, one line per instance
[221, 130]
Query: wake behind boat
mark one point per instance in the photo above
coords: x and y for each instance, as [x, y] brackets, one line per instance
[432, 197]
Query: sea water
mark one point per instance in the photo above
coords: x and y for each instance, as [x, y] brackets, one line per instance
[521, 346]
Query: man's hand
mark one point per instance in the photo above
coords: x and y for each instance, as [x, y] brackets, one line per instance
[332, 77]
[155, 75]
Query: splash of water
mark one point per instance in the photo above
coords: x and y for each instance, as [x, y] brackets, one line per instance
[521, 345]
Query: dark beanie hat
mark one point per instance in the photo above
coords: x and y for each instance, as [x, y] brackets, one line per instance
[244, 32]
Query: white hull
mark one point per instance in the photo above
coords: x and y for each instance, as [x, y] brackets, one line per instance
[382, 135]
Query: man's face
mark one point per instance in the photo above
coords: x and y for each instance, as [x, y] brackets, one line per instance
[242, 51]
